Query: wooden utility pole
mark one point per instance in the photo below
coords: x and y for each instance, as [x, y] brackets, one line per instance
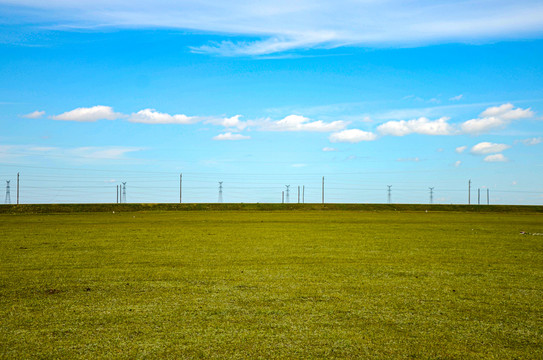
[469, 192]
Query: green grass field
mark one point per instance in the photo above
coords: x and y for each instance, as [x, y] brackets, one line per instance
[272, 284]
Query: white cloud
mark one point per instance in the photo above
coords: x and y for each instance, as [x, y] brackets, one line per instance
[328, 149]
[496, 117]
[458, 163]
[352, 136]
[301, 123]
[418, 126]
[34, 115]
[231, 122]
[460, 149]
[91, 114]
[298, 165]
[230, 136]
[456, 98]
[285, 25]
[507, 112]
[496, 158]
[151, 116]
[531, 141]
[484, 148]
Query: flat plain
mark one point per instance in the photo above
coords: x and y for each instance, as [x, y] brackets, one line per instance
[272, 284]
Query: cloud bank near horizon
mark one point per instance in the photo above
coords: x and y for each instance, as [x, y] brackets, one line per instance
[495, 117]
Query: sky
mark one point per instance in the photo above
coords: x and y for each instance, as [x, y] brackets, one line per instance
[426, 98]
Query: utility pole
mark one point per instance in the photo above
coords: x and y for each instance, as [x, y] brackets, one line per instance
[180, 188]
[469, 192]
[288, 193]
[431, 195]
[487, 197]
[17, 188]
[389, 193]
[8, 195]
[323, 190]
[282, 197]
[220, 192]
[117, 199]
[298, 194]
[479, 196]
[303, 194]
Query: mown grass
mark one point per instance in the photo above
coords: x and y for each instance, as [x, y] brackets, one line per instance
[271, 284]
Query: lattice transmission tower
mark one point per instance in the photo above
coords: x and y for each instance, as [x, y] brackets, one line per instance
[123, 200]
[220, 191]
[288, 193]
[8, 194]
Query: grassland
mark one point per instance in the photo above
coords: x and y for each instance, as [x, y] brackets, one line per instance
[271, 284]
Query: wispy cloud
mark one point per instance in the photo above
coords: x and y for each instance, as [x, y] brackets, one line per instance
[329, 149]
[269, 46]
[531, 141]
[456, 98]
[34, 115]
[83, 153]
[89, 114]
[280, 25]
[413, 159]
[101, 153]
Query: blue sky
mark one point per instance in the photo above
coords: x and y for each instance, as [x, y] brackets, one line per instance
[262, 95]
